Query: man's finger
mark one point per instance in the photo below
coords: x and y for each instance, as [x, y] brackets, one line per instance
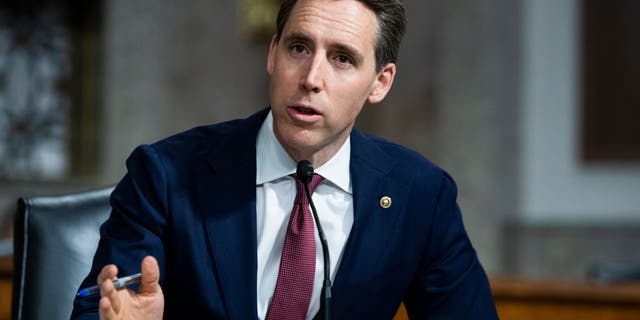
[108, 297]
[109, 271]
[109, 291]
[150, 275]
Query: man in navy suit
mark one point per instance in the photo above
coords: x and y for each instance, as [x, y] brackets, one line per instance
[206, 211]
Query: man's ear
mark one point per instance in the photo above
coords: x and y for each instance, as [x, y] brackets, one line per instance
[271, 58]
[382, 84]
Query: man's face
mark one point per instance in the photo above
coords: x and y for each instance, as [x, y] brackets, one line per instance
[322, 71]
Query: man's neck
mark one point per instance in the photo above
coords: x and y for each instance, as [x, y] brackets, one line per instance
[317, 158]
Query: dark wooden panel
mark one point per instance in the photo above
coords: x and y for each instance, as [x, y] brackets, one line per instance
[611, 80]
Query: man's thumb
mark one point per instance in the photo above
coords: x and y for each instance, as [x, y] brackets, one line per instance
[150, 275]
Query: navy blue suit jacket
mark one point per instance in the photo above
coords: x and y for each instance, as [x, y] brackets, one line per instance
[189, 201]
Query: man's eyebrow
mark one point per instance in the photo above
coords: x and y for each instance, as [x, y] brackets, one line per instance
[297, 36]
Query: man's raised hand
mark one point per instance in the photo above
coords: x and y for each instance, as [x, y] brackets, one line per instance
[147, 303]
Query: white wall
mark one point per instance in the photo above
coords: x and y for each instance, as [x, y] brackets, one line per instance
[555, 184]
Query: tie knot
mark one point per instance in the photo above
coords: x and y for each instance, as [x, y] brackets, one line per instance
[301, 196]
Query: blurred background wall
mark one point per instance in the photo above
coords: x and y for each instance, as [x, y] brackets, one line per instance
[490, 90]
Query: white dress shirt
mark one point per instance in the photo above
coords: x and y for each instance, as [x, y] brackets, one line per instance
[275, 193]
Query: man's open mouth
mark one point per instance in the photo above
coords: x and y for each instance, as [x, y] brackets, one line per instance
[305, 110]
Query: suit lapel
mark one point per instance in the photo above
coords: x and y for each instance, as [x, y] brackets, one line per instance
[230, 216]
[367, 250]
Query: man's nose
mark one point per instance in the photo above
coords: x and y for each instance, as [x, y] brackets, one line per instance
[313, 77]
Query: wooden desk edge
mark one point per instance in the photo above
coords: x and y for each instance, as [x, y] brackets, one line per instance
[557, 291]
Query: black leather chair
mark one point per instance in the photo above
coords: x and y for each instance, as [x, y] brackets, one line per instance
[55, 239]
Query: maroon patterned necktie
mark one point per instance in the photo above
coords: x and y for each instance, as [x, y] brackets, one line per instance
[298, 264]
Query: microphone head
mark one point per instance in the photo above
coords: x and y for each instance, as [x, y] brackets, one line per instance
[304, 171]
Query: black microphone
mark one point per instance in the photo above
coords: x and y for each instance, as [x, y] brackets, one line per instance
[304, 173]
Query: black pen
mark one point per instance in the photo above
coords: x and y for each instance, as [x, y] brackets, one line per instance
[118, 283]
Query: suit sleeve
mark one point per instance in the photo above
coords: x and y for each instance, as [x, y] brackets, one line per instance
[135, 227]
[450, 282]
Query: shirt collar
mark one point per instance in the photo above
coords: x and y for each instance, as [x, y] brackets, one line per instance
[273, 162]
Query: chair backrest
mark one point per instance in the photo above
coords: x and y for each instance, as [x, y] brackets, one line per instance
[55, 239]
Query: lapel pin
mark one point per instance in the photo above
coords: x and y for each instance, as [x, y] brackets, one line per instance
[385, 202]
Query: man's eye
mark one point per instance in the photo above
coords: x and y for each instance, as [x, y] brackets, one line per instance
[298, 48]
[344, 59]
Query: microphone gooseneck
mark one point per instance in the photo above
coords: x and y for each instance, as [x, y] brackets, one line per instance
[305, 173]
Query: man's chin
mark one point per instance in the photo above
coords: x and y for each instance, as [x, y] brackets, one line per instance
[302, 142]
[298, 143]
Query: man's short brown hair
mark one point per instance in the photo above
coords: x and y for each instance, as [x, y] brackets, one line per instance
[392, 22]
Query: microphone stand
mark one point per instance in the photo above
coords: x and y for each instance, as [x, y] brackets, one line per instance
[304, 173]
[325, 311]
